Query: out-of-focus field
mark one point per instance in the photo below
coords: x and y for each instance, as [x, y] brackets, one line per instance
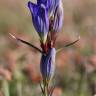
[75, 66]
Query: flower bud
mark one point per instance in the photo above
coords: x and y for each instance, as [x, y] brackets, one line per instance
[47, 64]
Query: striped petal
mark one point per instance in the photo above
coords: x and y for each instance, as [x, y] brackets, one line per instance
[40, 19]
[58, 18]
[48, 64]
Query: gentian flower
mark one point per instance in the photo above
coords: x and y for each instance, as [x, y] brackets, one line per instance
[47, 64]
[55, 12]
[47, 17]
[40, 19]
[56, 16]
[50, 4]
[45, 2]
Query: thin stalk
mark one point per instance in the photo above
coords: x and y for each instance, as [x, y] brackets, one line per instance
[45, 83]
[67, 45]
[5, 86]
[42, 89]
[52, 90]
[25, 42]
[46, 90]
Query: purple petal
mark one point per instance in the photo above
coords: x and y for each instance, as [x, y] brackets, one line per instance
[40, 19]
[48, 64]
[50, 4]
[58, 19]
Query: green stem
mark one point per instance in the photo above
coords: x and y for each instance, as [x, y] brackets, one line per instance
[45, 87]
[5, 87]
[46, 91]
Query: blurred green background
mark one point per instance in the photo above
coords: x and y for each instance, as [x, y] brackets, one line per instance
[75, 66]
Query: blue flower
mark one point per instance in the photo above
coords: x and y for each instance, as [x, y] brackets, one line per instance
[56, 16]
[45, 2]
[40, 19]
[47, 64]
[55, 12]
[50, 4]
